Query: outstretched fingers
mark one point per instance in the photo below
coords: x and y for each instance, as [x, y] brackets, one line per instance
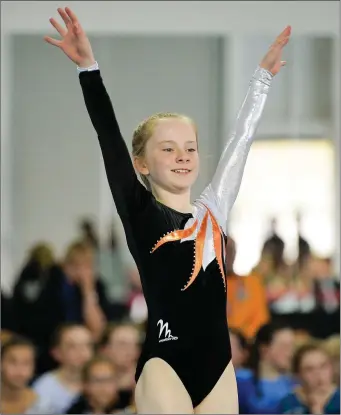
[286, 32]
[60, 29]
[280, 42]
[52, 41]
[71, 16]
[64, 16]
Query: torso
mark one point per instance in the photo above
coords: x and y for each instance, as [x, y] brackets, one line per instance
[197, 311]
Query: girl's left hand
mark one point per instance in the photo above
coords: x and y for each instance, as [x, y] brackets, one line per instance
[272, 61]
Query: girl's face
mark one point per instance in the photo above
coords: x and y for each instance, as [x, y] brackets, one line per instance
[171, 156]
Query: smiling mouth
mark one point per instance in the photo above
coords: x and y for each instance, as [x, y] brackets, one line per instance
[181, 171]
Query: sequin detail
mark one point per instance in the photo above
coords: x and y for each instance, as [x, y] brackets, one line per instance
[174, 236]
[199, 244]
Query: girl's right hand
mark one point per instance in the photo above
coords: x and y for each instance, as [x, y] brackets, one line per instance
[74, 43]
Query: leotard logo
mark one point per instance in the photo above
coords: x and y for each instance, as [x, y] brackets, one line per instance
[167, 333]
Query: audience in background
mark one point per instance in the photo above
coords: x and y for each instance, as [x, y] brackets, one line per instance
[72, 348]
[87, 364]
[35, 313]
[239, 348]
[247, 308]
[17, 369]
[88, 233]
[121, 344]
[332, 347]
[267, 380]
[6, 312]
[316, 392]
[136, 303]
[99, 389]
[82, 292]
[327, 298]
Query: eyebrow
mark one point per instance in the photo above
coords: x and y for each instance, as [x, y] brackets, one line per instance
[172, 141]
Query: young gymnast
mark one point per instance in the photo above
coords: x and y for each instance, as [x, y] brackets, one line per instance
[185, 365]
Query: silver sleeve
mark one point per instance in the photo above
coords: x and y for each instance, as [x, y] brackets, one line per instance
[222, 192]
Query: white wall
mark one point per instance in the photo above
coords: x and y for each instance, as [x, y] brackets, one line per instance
[6, 162]
[55, 157]
[178, 17]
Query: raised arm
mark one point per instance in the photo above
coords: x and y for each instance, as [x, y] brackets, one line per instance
[127, 191]
[222, 192]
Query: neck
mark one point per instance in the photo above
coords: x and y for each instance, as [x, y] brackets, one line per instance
[9, 394]
[69, 375]
[267, 371]
[177, 201]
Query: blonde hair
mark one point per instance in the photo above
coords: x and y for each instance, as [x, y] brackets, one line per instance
[43, 254]
[332, 346]
[145, 130]
[77, 248]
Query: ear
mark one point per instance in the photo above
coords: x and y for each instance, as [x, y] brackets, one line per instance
[141, 166]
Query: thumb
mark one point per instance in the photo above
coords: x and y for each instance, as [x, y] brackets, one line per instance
[52, 41]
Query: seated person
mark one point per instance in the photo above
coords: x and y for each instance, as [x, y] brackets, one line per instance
[100, 394]
[17, 369]
[317, 393]
[72, 348]
[267, 381]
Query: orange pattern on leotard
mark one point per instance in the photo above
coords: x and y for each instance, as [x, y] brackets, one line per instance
[199, 244]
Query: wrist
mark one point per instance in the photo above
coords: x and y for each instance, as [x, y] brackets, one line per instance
[87, 63]
[87, 287]
[90, 295]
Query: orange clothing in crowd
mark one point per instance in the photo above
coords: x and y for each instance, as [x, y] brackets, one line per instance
[247, 308]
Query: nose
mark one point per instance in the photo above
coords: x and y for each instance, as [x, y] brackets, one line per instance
[182, 157]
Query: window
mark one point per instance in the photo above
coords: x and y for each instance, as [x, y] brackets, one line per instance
[282, 178]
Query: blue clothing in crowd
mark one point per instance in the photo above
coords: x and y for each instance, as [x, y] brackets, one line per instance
[265, 396]
[291, 404]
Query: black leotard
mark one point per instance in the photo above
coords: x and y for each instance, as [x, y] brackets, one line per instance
[180, 257]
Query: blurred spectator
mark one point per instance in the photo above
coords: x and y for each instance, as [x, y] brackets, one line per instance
[138, 311]
[5, 335]
[239, 348]
[72, 348]
[304, 250]
[100, 389]
[267, 381]
[34, 311]
[272, 256]
[291, 296]
[46, 297]
[17, 368]
[88, 233]
[247, 308]
[327, 297]
[114, 275]
[332, 346]
[83, 294]
[121, 344]
[316, 394]
[6, 312]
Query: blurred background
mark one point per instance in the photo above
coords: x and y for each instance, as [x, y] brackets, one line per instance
[59, 224]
